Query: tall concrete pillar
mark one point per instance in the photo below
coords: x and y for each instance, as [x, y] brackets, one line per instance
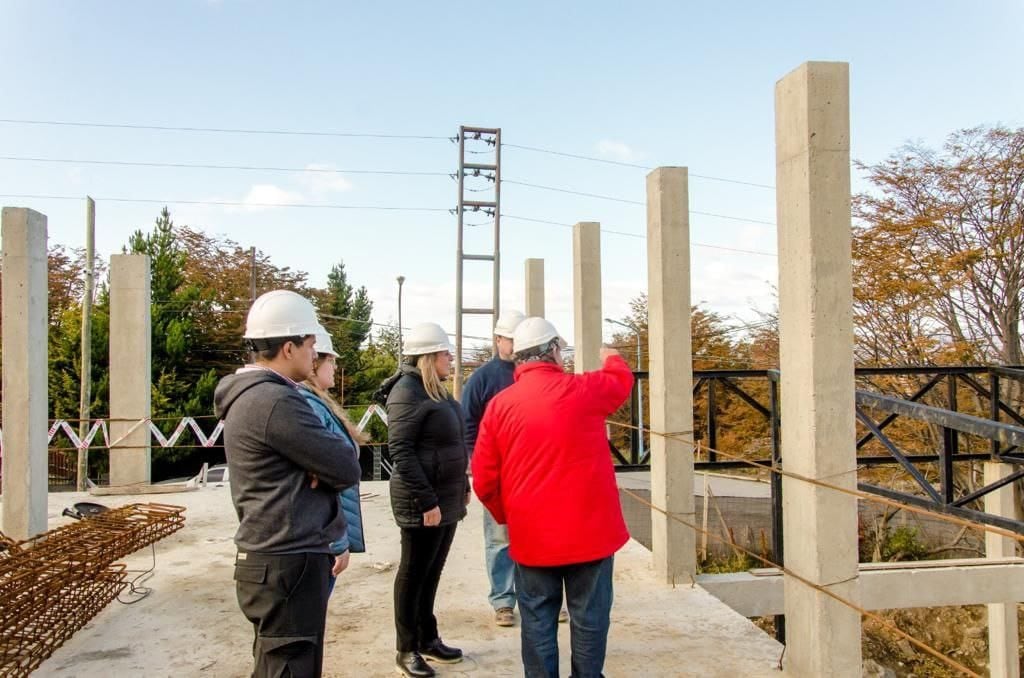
[1004, 661]
[534, 288]
[586, 279]
[673, 545]
[812, 142]
[130, 368]
[25, 292]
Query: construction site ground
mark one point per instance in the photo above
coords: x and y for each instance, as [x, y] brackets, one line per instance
[190, 624]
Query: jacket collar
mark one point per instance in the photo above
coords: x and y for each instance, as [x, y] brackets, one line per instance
[509, 365]
[538, 367]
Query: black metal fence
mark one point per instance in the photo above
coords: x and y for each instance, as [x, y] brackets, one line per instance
[758, 391]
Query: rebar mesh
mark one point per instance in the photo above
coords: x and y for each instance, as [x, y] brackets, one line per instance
[53, 584]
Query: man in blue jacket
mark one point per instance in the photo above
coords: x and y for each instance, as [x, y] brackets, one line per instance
[485, 383]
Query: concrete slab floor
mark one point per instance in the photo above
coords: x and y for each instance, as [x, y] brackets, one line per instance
[191, 626]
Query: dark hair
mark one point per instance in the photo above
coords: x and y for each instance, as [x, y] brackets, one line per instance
[270, 348]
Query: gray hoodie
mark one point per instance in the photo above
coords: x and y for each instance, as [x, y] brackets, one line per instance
[273, 441]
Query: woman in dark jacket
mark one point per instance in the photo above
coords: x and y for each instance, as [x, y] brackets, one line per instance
[429, 490]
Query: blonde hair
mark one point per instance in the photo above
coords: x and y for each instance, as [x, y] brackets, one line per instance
[357, 436]
[427, 365]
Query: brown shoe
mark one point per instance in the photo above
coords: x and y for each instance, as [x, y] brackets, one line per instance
[504, 616]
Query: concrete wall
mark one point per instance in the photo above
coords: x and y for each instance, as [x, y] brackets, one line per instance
[586, 278]
[25, 369]
[1003, 624]
[130, 368]
[534, 288]
[883, 586]
[671, 373]
[812, 132]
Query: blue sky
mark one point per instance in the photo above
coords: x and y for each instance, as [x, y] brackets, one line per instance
[666, 83]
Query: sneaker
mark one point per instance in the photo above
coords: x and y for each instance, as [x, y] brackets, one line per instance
[439, 652]
[504, 616]
[411, 664]
[563, 616]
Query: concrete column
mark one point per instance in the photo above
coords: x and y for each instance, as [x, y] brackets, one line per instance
[812, 141]
[130, 367]
[586, 279]
[1003, 657]
[534, 288]
[25, 411]
[673, 545]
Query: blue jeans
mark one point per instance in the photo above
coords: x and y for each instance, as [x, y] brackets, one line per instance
[500, 568]
[588, 592]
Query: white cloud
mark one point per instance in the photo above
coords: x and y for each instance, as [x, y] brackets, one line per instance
[264, 196]
[616, 150]
[320, 182]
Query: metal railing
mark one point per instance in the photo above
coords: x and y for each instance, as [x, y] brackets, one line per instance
[1006, 440]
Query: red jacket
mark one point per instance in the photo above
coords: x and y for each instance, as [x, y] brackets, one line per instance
[542, 464]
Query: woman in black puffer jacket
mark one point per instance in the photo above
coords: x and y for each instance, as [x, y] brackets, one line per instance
[429, 490]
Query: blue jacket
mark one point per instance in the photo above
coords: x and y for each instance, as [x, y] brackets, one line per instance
[352, 540]
[489, 379]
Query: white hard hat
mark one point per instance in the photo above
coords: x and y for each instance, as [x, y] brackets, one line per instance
[426, 338]
[281, 313]
[324, 344]
[534, 332]
[507, 323]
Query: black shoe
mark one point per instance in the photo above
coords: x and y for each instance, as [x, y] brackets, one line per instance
[440, 652]
[412, 664]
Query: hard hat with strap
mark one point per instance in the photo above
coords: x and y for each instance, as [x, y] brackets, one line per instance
[534, 332]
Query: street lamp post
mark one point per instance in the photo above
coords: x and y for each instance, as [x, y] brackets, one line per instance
[400, 279]
[639, 387]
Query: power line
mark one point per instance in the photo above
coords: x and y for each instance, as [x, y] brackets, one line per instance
[640, 236]
[632, 202]
[323, 170]
[220, 130]
[572, 192]
[349, 135]
[229, 203]
[633, 165]
[247, 168]
[576, 156]
[232, 203]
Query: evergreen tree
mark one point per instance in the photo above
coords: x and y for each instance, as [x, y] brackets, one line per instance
[347, 313]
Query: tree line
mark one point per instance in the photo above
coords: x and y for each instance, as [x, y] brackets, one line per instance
[200, 291]
[938, 279]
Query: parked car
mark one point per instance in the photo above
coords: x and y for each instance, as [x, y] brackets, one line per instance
[214, 474]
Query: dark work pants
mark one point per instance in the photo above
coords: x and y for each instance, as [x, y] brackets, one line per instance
[424, 551]
[285, 598]
[588, 593]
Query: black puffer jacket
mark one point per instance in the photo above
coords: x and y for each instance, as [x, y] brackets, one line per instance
[427, 443]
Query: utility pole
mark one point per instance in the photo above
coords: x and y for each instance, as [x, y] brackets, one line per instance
[401, 280]
[85, 399]
[252, 274]
[490, 138]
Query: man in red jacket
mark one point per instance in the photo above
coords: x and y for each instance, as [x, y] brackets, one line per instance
[542, 466]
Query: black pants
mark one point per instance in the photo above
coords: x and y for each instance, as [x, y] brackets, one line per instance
[424, 551]
[285, 598]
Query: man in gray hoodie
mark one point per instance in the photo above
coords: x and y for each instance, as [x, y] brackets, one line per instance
[286, 469]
